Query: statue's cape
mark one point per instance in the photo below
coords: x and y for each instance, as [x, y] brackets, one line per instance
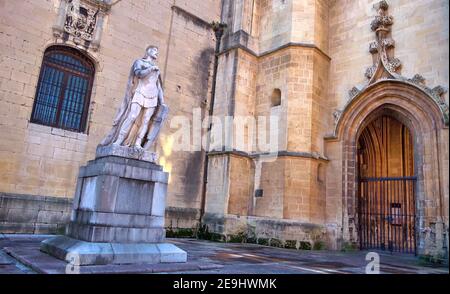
[124, 109]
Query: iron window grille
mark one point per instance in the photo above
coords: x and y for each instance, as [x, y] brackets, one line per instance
[64, 89]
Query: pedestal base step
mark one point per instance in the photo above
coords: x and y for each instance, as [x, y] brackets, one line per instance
[87, 253]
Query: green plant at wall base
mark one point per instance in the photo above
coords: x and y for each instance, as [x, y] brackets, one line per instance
[203, 233]
[319, 245]
[305, 245]
[185, 233]
[347, 247]
[170, 234]
[244, 235]
[179, 233]
[263, 241]
[276, 243]
[217, 237]
[431, 260]
[238, 238]
[291, 244]
[61, 230]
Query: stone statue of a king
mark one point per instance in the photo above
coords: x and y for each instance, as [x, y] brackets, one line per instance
[119, 203]
[142, 112]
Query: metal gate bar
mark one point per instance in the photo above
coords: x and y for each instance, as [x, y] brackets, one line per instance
[387, 214]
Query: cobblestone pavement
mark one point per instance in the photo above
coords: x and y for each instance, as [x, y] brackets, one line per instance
[19, 254]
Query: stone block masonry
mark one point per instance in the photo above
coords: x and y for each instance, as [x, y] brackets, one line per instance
[118, 214]
[40, 160]
[112, 190]
[33, 214]
[311, 51]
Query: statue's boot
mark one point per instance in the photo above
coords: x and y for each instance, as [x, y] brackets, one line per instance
[139, 139]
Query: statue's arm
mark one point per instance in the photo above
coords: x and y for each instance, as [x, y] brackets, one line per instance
[140, 71]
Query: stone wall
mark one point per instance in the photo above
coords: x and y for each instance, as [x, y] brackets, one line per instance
[420, 31]
[33, 214]
[272, 182]
[313, 52]
[40, 160]
[267, 231]
[240, 201]
[421, 34]
[281, 51]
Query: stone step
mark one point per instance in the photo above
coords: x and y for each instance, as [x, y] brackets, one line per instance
[88, 253]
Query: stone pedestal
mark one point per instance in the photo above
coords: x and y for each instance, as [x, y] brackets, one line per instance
[118, 213]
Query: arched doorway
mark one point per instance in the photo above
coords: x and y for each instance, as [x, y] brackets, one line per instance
[426, 121]
[386, 186]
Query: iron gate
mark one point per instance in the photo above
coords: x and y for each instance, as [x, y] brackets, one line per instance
[387, 214]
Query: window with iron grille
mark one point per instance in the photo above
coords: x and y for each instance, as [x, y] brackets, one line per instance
[64, 89]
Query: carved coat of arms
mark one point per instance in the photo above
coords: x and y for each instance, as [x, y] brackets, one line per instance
[80, 20]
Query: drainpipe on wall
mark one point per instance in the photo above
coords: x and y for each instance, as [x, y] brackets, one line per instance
[218, 29]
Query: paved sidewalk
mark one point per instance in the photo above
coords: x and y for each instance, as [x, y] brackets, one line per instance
[20, 254]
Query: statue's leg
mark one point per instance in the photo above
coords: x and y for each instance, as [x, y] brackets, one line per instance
[148, 113]
[128, 123]
[156, 125]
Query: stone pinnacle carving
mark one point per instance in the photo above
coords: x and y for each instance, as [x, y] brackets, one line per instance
[385, 65]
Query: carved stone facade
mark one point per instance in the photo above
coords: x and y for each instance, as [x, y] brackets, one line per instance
[263, 42]
[42, 160]
[81, 22]
[422, 110]
[387, 67]
[336, 68]
[383, 47]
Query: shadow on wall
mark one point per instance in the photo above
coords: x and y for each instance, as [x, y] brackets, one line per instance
[200, 89]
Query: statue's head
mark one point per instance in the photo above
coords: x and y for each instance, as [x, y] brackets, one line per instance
[151, 51]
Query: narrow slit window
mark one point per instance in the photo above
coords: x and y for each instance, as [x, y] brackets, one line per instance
[276, 98]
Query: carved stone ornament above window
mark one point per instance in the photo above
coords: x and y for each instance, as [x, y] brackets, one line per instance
[81, 22]
[387, 67]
